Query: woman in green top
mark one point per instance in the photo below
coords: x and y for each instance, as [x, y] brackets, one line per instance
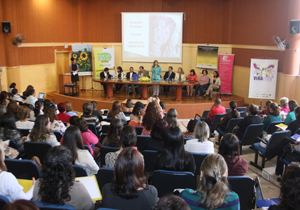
[156, 71]
[273, 116]
[213, 192]
[291, 115]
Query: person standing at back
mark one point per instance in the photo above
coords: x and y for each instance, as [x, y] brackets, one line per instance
[215, 109]
[156, 71]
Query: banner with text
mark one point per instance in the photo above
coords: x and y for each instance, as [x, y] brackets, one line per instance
[225, 72]
[263, 78]
[207, 57]
[104, 57]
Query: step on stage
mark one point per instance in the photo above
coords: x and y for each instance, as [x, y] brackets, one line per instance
[186, 109]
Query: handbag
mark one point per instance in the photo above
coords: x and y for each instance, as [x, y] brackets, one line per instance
[290, 154]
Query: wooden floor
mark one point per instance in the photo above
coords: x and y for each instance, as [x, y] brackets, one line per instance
[186, 109]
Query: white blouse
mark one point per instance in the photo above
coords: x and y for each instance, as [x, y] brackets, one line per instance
[86, 160]
[195, 146]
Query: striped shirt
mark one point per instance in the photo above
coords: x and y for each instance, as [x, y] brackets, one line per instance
[192, 198]
[92, 119]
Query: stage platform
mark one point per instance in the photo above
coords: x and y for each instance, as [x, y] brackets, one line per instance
[186, 109]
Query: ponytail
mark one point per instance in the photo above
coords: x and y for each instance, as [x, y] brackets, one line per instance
[37, 108]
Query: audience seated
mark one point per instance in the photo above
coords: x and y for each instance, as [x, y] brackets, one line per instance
[136, 106]
[38, 107]
[31, 99]
[117, 113]
[291, 115]
[69, 109]
[13, 107]
[213, 192]
[190, 129]
[172, 117]
[294, 125]
[16, 96]
[96, 111]
[215, 109]
[41, 131]
[23, 116]
[89, 117]
[11, 87]
[174, 157]
[137, 117]
[2, 110]
[3, 98]
[289, 189]
[232, 114]
[200, 144]
[8, 130]
[62, 116]
[26, 93]
[112, 138]
[266, 108]
[152, 114]
[10, 188]
[128, 139]
[88, 137]
[128, 189]
[56, 125]
[240, 129]
[230, 150]
[284, 102]
[273, 116]
[73, 141]
[21, 204]
[128, 107]
[159, 130]
[57, 184]
[171, 202]
[163, 107]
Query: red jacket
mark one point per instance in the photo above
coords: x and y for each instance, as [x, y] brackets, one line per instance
[63, 117]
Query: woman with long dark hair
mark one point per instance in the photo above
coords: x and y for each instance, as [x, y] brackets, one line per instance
[41, 131]
[157, 140]
[213, 192]
[172, 117]
[121, 76]
[8, 130]
[232, 114]
[73, 141]
[56, 125]
[291, 115]
[38, 110]
[137, 114]
[214, 85]
[174, 157]
[152, 114]
[128, 189]
[27, 91]
[156, 76]
[113, 134]
[3, 98]
[57, 184]
[116, 112]
[10, 188]
[88, 137]
[13, 107]
[128, 139]
[230, 149]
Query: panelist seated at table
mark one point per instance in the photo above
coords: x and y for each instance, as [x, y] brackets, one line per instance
[180, 77]
[169, 76]
[142, 73]
[121, 76]
[105, 75]
[129, 76]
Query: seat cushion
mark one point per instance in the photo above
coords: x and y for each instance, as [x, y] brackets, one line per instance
[259, 148]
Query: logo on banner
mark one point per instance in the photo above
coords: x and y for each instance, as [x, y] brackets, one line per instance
[226, 59]
[263, 73]
[104, 57]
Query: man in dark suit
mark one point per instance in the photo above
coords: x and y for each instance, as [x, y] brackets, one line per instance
[105, 75]
[142, 73]
[253, 118]
[169, 76]
[129, 76]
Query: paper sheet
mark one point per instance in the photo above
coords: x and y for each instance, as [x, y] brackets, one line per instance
[91, 184]
[26, 184]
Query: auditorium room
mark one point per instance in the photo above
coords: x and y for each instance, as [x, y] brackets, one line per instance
[149, 104]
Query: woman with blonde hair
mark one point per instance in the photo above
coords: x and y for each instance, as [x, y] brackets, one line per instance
[200, 144]
[69, 109]
[10, 188]
[213, 192]
[180, 75]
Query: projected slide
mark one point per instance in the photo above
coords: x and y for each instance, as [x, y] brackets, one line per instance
[152, 36]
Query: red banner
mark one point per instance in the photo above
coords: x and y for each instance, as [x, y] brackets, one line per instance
[225, 72]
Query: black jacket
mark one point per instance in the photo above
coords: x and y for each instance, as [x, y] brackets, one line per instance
[167, 75]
